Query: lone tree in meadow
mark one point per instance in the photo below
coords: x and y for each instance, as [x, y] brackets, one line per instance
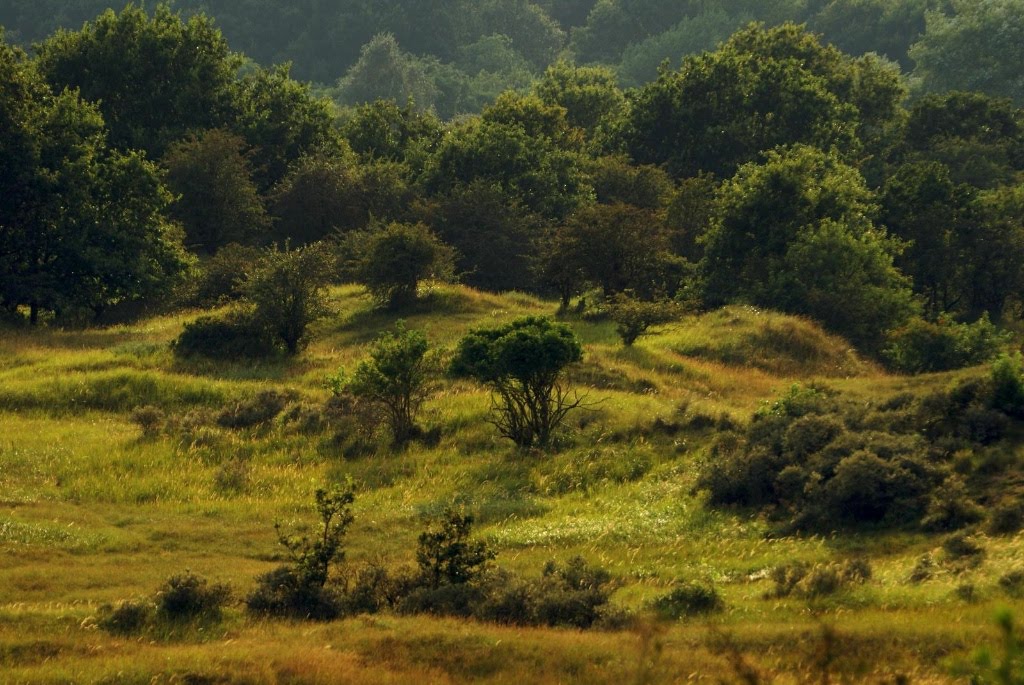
[394, 378]
[524, 364]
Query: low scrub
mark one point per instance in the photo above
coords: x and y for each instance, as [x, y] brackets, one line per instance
[818, 461]
[231, 337]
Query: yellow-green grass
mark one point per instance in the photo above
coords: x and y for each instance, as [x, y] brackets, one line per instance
[92, 511]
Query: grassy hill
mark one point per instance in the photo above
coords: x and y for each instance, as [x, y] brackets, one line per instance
[93, 510]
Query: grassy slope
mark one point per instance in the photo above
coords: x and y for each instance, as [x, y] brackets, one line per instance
[92, 512]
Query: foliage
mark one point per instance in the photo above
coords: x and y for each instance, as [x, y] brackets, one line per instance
[392, 259]
[188, 597]
[217, 201]
[81, 225]
[819, 254]
[286, 291]
[972, 48]
[634, 317]
[221, 278]
[523, 363]
[922, 346]
[254, 411]
[233, 336]
[588, 94]
[178, 80]
[445, 554]
[688, 599]
[299, 590]
[1008, 667]
[395, 377]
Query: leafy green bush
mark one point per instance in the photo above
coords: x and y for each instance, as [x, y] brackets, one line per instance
[812, 582]
[231, 337]
[189, 597]
[922, 346]
[635, 317]
[524, 364]
[222, 276]
[688, 599]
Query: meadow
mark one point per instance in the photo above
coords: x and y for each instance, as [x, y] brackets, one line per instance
[94, 510]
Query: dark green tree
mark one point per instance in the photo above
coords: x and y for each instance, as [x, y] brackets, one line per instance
[796, 233]
[588, 94]
[391, 260]
[217, 202]
[523, 363]
[447, 556]
[155, 76]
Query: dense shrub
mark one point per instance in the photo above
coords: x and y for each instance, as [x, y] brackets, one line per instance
[688, 599]
[923, 346]
[222, 276]
[150, 419]
[188, 597]
[126, 618]
[818, 580]
[231, 337]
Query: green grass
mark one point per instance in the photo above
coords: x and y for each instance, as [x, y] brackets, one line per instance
[92, 511]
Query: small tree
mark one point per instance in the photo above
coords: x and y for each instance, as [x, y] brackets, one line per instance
[391, 261]
[286, 289]
[395, 379]
[634, 317]
[298, 589]
[523, 363]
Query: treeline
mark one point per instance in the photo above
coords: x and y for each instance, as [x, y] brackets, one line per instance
[455, 56]
[775, 170]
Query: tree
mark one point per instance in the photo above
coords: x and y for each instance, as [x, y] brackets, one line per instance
[391, 260]
[493, 234]
[384, 129]
[588, 94]
[394, 378]
[155, 77]
[523, 363]
[761, 89]
[385, 72]
[977, 47]
[81, 226]
[796, 233]
[286, 291]
[218, 203]
[634, 317]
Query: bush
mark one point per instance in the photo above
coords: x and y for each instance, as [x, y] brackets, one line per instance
[1007, 518]
[150, 419]
[255, 411]
[394, 379]
[126, 618]
[689, 599]
[446, 555]
[287, 293]
[819, 580]
[189, 597]
[634, 317]
[222, 277]
[922, 346]
[300, 590]
[573, 595]
[391, 261]
[232, 337]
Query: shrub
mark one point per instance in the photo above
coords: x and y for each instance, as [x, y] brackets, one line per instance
[1007, 378]
[391, 261]
[150, 419]
[394, 379]
[523, 363]
[634, 317]
[299, 590]
[1007, 518]
[287, 292]
[923, 346]
[188, 597]
[232, 337]
[446, 555]
[126, 618]
[254, 411]
[819, 580]
[232, 477]
[961, 546]
[1012, 582]
[222, 276]
[575, 594]
[689, 599]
